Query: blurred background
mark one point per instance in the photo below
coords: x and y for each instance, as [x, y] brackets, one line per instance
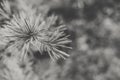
[94, 28]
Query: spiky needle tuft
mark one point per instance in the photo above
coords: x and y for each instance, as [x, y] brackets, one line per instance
[30, 31]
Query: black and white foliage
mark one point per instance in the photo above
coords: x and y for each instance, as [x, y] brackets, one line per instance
[27, 31]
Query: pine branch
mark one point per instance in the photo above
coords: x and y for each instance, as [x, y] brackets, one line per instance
[28, 30]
